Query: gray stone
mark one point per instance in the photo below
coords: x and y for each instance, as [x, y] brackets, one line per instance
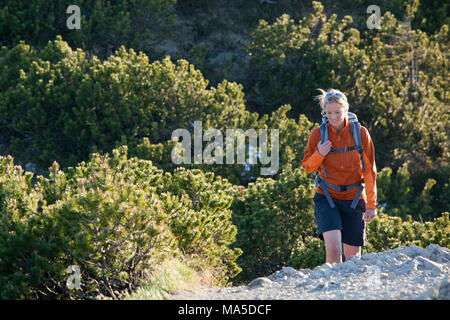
[276, 276]
[323, 267]
[322, 271]
[393, 274]
[222, 58]
[444, 290]
[407, 267]
[320, 286]
[430, 294]
[30, 167]
[401, 257]
[411, 251]
[425, 263]
[348, 266]
[333, 284]
[261, 281]
[370, 257]
[289, 271]
[356, 260]
[437, 253]
[372, 276]
[305, 272]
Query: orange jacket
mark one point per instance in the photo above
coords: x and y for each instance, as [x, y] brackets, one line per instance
[343, 168]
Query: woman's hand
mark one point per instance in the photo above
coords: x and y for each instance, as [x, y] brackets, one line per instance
[369, 215]
[324, 148]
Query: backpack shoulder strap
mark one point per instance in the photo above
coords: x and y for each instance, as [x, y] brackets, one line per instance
[356, 131]
[324, 129]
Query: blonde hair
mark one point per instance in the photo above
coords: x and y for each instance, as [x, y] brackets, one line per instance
[333, 99]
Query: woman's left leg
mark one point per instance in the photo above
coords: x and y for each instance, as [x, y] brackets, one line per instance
[354, 227]
[351, 251]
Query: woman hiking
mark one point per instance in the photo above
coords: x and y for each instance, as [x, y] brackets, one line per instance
[342, 168]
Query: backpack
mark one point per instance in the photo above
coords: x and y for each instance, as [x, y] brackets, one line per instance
[355, 128]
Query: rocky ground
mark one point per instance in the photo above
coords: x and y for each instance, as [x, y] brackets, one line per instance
[404, 273]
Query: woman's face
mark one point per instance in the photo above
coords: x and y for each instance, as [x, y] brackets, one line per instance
[336, 114]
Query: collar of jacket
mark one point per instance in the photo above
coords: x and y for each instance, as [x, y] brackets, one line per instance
[346, 127]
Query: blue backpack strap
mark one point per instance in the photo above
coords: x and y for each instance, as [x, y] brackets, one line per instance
[356, 131]
[324, 129]
[324, 172]
[321, 183]
[357, 195]
[324, 135]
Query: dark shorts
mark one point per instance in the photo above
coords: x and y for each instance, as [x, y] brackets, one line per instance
[341, 217]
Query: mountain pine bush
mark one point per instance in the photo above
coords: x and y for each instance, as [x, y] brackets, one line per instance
[272, 217]
[104, 25]
[116, 218]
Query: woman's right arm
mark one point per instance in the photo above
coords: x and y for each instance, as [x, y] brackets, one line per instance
[312, 159]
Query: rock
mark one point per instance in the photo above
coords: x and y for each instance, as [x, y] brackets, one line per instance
[425, 263]
[283, 274]
[222, 58]
[369, 257]
[431, 293]
[437, 253]
[290, 272]
[305, 272]
[30, 167]
[407, 267]
[395, 274]
[322, 271]
[348, 266]
[301, 284]
[444, 290]
[400, 257]
[356, 260]
[275, 276]
[373, 276]
[321, 286]
[261, 281]
[323, 267]
[333, 284]
[267, 1]
[411, 251]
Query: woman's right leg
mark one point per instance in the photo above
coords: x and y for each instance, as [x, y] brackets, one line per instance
[333, 246]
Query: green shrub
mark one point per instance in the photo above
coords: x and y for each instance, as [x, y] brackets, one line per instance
[401, 102]
[292, 59]
[201, 219]
[70, 105]
[386, 232]
[396, 194]
[308, 254]
[105, 25]
[440, 192]
[117, 219]
[115, 227]
[152, 213]
[30, 242]
[272, 216]
[293, 137]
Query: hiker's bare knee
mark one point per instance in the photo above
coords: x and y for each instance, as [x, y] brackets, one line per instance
[351, 251]
[333, 246]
